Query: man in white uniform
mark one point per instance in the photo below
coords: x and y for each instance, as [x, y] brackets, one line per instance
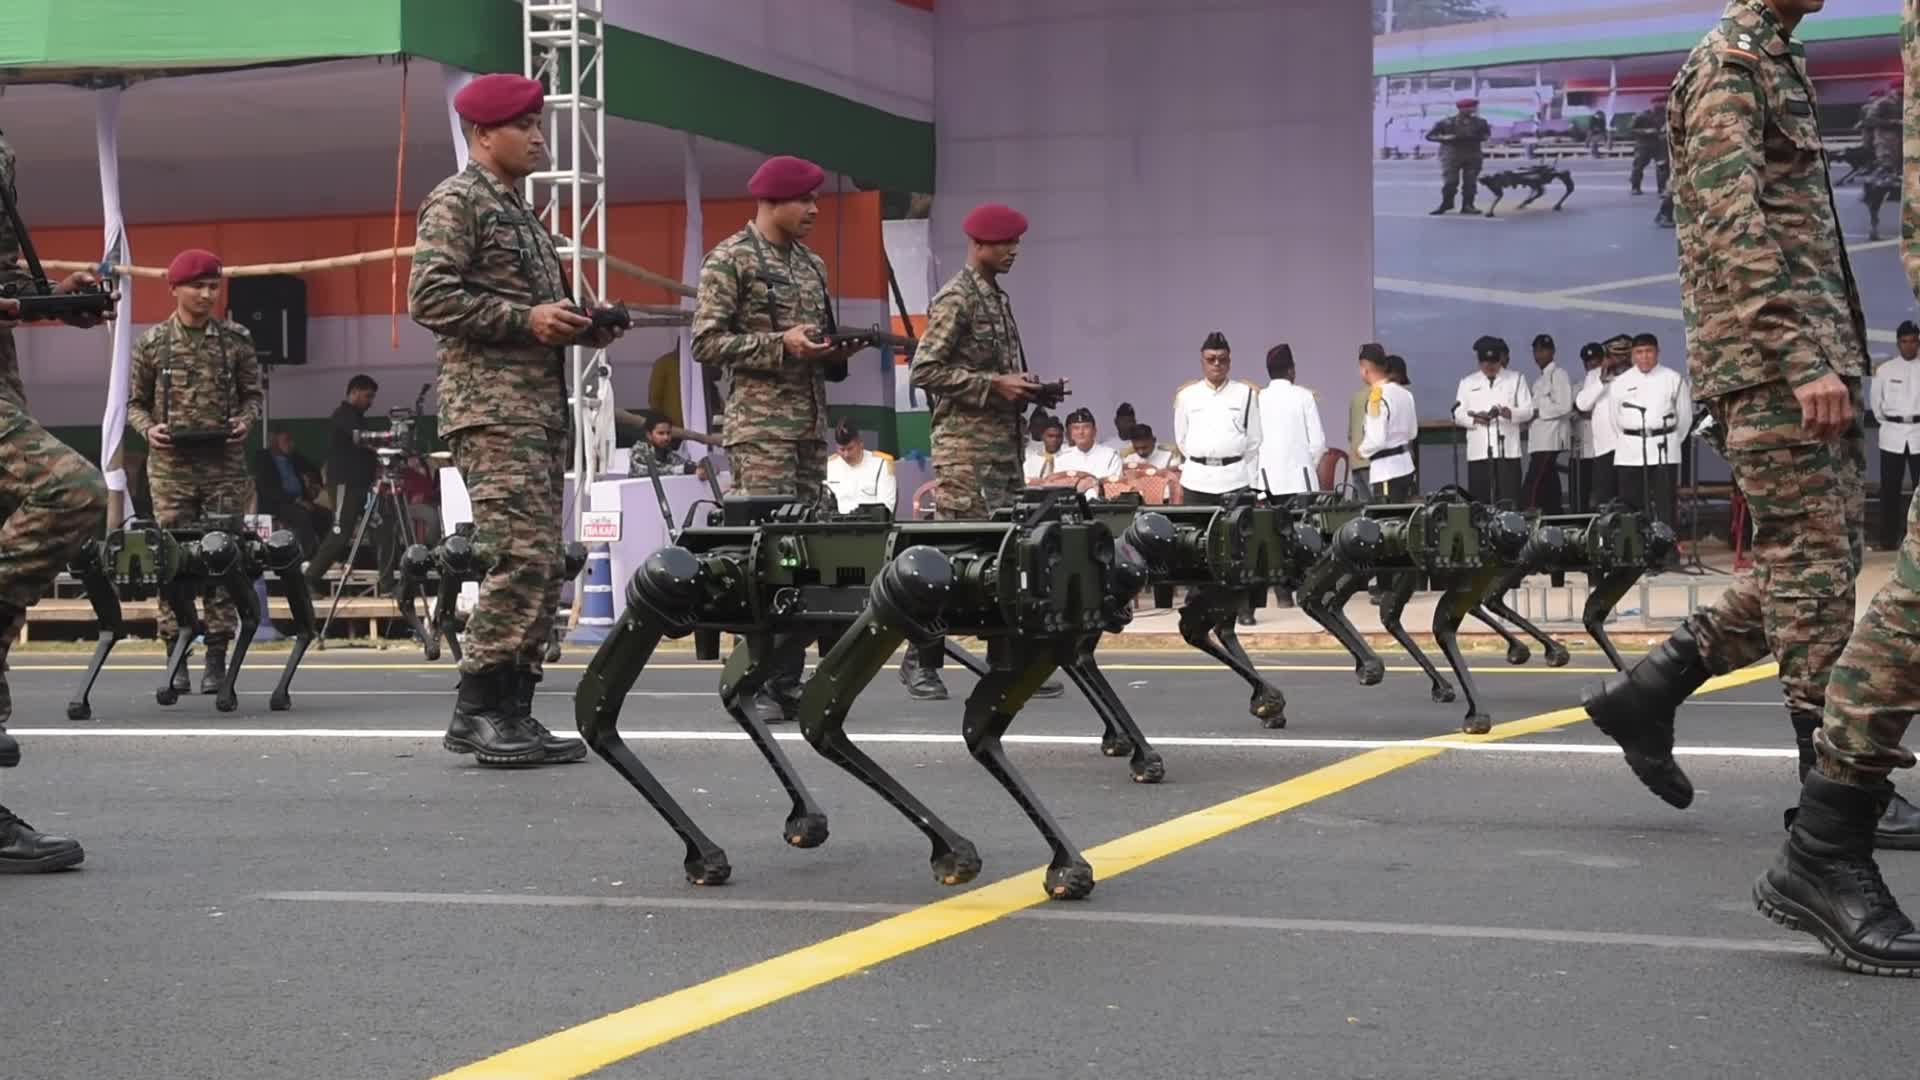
[1040, 463]
[1392, 425]
[1088, 460]
[856, 477]
[1653, 407]
[1896, 405]
[1491, 405]
[1547, 435]
[1216, 428]
[1147, 453]
[1596, 400]
[1291, 440]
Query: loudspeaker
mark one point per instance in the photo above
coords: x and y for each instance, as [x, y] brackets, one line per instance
[274, 310]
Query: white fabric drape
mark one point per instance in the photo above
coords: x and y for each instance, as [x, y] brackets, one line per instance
[114, 421]
[693, 396]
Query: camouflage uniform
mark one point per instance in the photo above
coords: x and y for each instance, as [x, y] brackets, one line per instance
[970, 338]
[1650, 147]
[482, 263]
[1770, 304]
[752, 291]
[1460, 137]
[196, 378]
[1876, 682]
[1881, 124]
[51, 499]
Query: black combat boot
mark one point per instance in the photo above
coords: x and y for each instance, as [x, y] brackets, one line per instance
[554, 749]
[181, 681]
[1899, 826]
[26, 850]
[1445, 207]
[485, 723]
[1635, 708]
[1825, 881]
[1282, 599]
[216, 672]
[922, 679]
[778, 699]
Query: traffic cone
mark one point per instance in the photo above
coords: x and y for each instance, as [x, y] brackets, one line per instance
[596, 603]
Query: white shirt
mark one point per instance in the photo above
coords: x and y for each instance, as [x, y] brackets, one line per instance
[1123, 447]
[1291, 441]
[871, 481]
[1477, 394]
[1552, 411]
[1896, 392]
[1217, 422]
[1397, 423]
[1161, 458]
[1668, 403]
[1600, 435]
[1098, 461]
[1039, 463]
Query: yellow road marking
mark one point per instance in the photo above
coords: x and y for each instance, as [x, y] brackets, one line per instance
[594, 1045]
[714, 666]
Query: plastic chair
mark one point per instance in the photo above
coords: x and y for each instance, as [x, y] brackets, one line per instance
[1332, 472]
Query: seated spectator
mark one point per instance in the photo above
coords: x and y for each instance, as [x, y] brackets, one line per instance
[1123, 425]
[1041, 460]
[287, 487]
[1145, 452]
[655, 452]
[1084, 460]
[857, 477]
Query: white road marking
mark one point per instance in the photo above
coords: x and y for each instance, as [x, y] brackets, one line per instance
[1781, 944]
[1220, 742]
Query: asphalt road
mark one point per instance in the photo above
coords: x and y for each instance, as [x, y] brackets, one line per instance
[260, 903]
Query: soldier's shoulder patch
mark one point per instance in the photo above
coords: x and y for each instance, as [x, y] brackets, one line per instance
[1182, 388]
[1741, 43]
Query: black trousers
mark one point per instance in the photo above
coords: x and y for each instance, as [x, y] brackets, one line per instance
[1399, 489]
[1894, 468]
[1632, 482]
[1208, 498]
[334, 545]
[1542, 490]
[1482, 474]
[1596, 483]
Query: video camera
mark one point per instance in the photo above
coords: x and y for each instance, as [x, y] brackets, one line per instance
[398, 440]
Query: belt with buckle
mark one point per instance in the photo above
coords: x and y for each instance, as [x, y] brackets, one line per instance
[1234, 460]
[1391, 451]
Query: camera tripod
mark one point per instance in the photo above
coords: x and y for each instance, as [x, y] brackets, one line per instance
[386, 507]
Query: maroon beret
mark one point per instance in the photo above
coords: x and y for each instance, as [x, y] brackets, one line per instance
[491, 100]
[1467, 103]
[784, 177]
[192, 265]
[992, 223]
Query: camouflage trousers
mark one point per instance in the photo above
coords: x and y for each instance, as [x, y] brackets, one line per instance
[187, 495]
[1655, 155]
[1459, 173]
[514, 475]
[1808, 504]
[779, 467]
[1876, 683]
[51, 501]
[972, 491]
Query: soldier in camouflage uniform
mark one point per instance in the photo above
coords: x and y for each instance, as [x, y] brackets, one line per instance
[51, 501]
[489, 284]
[1460, 137]
[1776, 350]
[1880, 124]
[972, 368]
[1650, 146]
[1825, 881]
[196, 371]
[761, 309]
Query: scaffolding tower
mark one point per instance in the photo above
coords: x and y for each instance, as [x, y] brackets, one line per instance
[564, 51]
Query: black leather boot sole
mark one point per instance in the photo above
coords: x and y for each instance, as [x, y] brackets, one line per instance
[1795, 916]
[555, 750]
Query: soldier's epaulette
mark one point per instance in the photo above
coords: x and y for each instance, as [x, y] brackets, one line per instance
[1182, 388]
[1742, 46]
